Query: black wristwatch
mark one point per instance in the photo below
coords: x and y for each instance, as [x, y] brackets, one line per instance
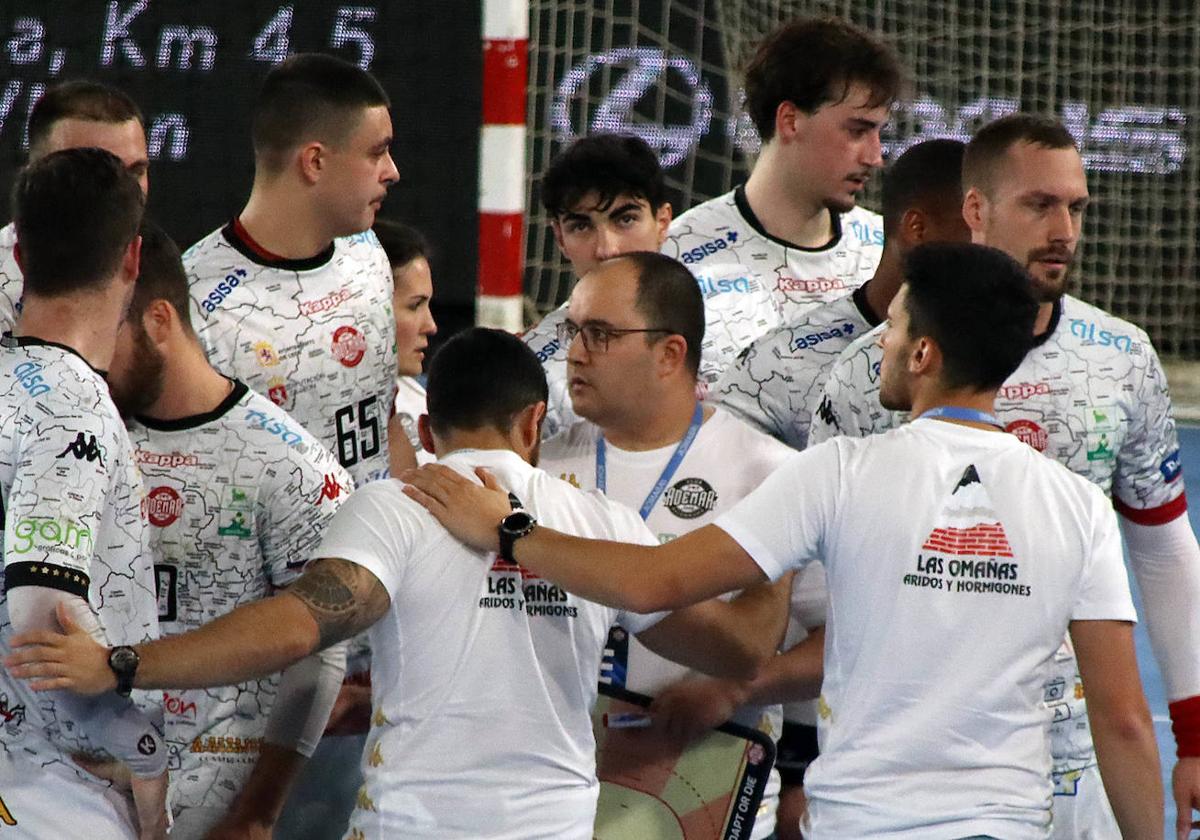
[124, 662]
[519, 523]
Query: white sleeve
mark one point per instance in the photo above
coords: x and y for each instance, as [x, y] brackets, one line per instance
[1166, 561]
[630, 528]
[1104, 590]
[376, 529]
[107, 723]
[307, 691]
[783, 523]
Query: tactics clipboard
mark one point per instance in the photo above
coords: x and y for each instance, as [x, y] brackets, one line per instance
[652, 790]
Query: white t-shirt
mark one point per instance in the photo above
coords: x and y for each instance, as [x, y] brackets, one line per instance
[316, 336]
[773, 382]
[955, 557]
[237, 500]
[705, 484]
[1093, 396]
[12, 282]
[484, 674]
[411, 404]
[72, 505]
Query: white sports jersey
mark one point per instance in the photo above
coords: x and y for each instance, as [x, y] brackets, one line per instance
[237, 500]
[481, 726]
[72, 505]
[736, 310]
[951, 589]
[725, 231]
[12, 283]
[316, 336]
[409, 405]
[774, 381]
[1092, 396]
[703, 486]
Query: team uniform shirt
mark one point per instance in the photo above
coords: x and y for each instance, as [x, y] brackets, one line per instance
[316, 336]
[409, 405]
[481, 722]
[932, 721]
[237, 500]
[723, 242]
[1092, 395]
[72, 505]
[702, 487]
[12, 282]
[774, 381]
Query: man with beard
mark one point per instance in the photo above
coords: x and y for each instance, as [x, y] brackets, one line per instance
[1092, 395]
[238, 495]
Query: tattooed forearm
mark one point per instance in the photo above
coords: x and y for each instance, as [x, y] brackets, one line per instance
[343, 597]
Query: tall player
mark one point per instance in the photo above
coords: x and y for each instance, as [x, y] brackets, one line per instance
[1091, 394]
[773, 381]
[633, 334]
[294, 295]
[238, 498]
[72, 502]
[818, 91]
[74, 115]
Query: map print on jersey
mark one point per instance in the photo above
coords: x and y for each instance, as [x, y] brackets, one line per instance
[1094, 397]
[237, 502]
[316, 336]
[72, 502]
[12, 283]
[725, 232]
[774, 382]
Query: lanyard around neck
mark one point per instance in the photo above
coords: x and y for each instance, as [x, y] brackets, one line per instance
[668, 471]
[954, 412]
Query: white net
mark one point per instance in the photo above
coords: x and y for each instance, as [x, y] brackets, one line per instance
[1124, 75]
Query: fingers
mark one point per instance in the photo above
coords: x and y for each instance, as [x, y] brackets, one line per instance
[65, 621]
[422, 498]
[489, 480]
[32, 653]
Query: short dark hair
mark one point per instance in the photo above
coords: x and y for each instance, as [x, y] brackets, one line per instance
[82, 100]
[607, 164]
[977, 304]
[812, 62]
[669, 297]
[482, 378]
[927, 173]
[402, 243]
[76, 211]
[985, 153]
[310, 96]
[161, 275]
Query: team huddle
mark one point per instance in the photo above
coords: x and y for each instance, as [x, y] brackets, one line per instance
[857, 480]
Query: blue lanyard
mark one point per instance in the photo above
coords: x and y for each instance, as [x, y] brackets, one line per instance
[668, 470]
[954, 412]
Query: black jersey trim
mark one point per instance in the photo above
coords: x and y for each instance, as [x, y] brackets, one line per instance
[13, 341]
[743, 206]
[859, 298]
[49, 575]
[306, 264]
[1055, 316]
[196, 420]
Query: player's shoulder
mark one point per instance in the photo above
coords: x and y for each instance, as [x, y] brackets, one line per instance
[864, 349]
[705, 230]
[57, 377]
[1090, 326]
[733, 434]
[212, 245]
[542, 337]
[589, 513]
[8, 236]
[275, 431]
[575, 441]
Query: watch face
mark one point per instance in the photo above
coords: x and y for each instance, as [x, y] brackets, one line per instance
[123, 659]
[517, 522]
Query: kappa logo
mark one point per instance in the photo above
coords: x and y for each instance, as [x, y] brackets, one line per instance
[818, 284]
[1024, 390]
[13, 716]
[825, 412]
[331, 489]
[690, 498]
[349, 346]
[84, 448]
[146, 745]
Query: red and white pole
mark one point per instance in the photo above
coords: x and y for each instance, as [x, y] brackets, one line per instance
[502, 164]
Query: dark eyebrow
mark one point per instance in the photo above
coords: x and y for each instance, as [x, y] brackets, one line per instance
[574, 217]
[861, 122]
[624, 208]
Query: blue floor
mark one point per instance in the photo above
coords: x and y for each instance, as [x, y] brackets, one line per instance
[1189, 439]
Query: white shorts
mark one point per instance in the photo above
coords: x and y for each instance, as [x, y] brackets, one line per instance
[37, 804]
[1081, 809]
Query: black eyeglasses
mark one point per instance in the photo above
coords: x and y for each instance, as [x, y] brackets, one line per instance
[596, 337]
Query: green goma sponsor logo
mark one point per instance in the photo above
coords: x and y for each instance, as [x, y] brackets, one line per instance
[50, 533]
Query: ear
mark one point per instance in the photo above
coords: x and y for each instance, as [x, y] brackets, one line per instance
[556, 226]
[311, 160]
[926, 357]
[662, 220]
[672, 354]
[425, 433]
[974, 210]
[158, 319]
[790, 121]
[526, 432]
[18, 256]
[912, 227]
[131, 261]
